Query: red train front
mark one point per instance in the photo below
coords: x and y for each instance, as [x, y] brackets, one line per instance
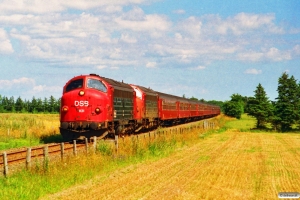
[85, 107]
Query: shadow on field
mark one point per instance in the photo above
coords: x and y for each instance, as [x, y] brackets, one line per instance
[57, 138]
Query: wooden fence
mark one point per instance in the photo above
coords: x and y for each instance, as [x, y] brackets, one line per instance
[44, 151]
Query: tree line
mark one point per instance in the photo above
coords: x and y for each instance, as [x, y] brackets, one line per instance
[35, 105]
[282, 114]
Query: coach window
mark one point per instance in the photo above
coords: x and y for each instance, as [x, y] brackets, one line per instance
[74, 85]
[96, 84]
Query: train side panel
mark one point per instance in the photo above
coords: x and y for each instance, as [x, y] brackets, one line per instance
[168, 107]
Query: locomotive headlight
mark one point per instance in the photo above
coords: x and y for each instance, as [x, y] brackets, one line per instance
[65, 108]
[97, 110]
[81, 93]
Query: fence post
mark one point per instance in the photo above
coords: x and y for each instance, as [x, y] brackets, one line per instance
[62, 150]
[46, 157]
[116, 143]
[28, 158]
[74, 148]
[86, 146]
[95, 143]
[5, 164]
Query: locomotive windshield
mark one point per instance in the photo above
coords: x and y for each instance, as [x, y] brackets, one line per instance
[96, 84]
[74, 85]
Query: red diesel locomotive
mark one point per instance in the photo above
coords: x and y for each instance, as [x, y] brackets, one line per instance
[92, 105]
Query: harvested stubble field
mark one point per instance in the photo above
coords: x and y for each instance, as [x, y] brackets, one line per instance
[228, 164]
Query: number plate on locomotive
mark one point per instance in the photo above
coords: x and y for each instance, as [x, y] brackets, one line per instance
[81, 103]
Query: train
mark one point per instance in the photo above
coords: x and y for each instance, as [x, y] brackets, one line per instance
[92, 105]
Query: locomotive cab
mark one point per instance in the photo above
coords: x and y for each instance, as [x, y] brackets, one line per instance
[85, 107]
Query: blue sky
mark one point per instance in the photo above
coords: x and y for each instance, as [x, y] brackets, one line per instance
[206, 49]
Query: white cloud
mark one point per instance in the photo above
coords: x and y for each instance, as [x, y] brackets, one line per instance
[128, 39]
[250, 56]
[101, 67]
[5, 44]
[199, 68]
[26, 87]
[180, 12]
[45, 89]
[243, 23]
[253, 71]
[277, 55]
[16, 83]
[151, 65]
[114, 68]
[41, 7]
[105, 35]
[136, 20]
[191, 26]
[296, 50]
[271, 54]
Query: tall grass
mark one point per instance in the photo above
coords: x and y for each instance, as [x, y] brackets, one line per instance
[18, 130]
[58, 176]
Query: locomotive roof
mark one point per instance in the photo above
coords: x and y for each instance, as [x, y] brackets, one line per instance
[180, 99]
[148, 91]
[114, 83]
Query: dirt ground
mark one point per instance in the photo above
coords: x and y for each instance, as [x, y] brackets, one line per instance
[230, 165]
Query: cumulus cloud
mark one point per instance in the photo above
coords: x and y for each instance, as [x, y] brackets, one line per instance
[243, 23]
[101, 33]
[27, 87]
[128, 39]
[101, 67]
[17, 83]
[151, 65]
[253, 71]
[136, 20]
[191, 26]
[41, 7]
[5, 44]
[271, 54]
[199, 68]
[45, 89]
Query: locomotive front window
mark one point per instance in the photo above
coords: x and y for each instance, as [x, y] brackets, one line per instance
[74, 85]
[96, 84]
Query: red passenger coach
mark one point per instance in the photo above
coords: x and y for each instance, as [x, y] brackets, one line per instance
[146, 110]
[168, 109]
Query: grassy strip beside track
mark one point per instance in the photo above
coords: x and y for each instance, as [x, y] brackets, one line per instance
[19, 130]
